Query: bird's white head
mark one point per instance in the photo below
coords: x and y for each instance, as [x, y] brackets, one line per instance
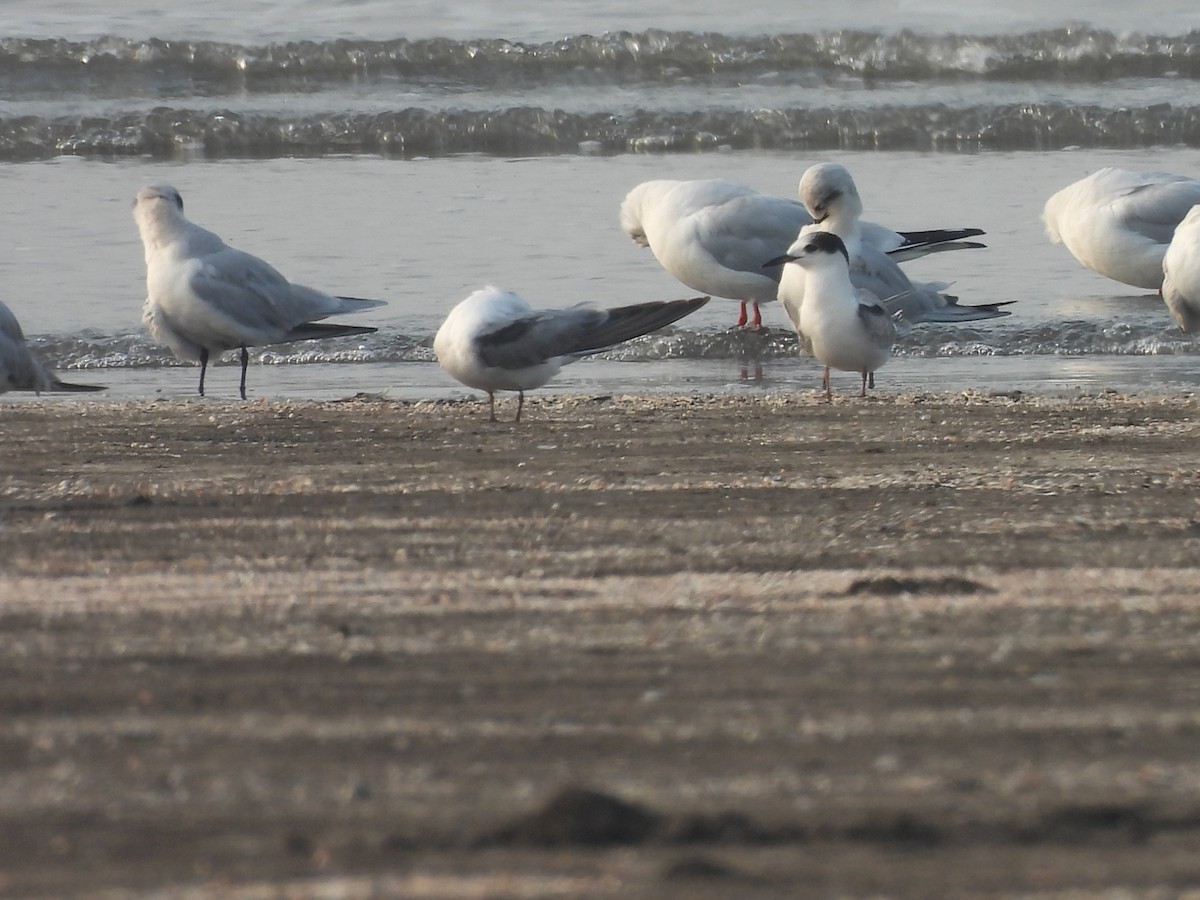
[633, 209]
[157, 209]
[827, 190]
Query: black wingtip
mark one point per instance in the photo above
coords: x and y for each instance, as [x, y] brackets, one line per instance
[311, 331]
[67, 387]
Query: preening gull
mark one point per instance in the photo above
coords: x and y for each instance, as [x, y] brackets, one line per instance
[1119, 223]
[830, 195]
[714, 236]
[1181, 271]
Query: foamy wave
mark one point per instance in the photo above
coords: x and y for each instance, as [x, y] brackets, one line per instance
[1065, 338]
[535, 131]
[613, 93]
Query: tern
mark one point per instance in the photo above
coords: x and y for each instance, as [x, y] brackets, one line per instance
[495, 341]
[203, 297]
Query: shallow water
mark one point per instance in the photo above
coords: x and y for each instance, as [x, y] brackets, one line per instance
[265, 142]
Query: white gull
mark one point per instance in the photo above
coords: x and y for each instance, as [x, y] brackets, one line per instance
[1119, 223]
[1181, 273]
[831, 197]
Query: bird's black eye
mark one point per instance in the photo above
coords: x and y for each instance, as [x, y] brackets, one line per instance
[179, 202]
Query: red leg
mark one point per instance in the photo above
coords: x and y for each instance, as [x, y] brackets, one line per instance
[756, 322]
[741, 322]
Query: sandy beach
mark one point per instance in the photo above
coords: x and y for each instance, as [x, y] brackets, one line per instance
[910, 646]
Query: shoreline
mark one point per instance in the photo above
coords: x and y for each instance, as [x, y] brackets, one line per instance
[916, 644]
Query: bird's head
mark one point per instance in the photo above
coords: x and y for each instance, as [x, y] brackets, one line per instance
[812, 249]
[827, 189]
[156, 208]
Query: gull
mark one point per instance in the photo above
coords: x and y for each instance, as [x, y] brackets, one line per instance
[1181, 273]
[204, 297]
[495, 341]
[1119, 223]
[713, 236]
[844, 327]
[832, 199]
[20, 370]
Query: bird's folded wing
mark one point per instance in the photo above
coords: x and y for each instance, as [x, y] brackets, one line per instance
[878, 325]
[1154, 210]
[745, 232]
[534, 339]
[247, 291]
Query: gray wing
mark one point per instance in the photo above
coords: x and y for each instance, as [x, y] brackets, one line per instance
[878, 273]
[880, 328]
[1155, 209]
[247, 290]
[534, 339]
[917, 302]
[743, 233]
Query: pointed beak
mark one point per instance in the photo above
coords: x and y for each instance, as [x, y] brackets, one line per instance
[779, 261]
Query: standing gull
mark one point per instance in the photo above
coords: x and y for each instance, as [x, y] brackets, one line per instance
[495, 341]
[714, 235]
[831, 197]
[20, 370]
[844, 327]
[1181, 273]
[204, 297]
[1119, 223]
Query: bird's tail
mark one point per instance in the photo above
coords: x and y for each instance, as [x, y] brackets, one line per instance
[624, 323]
[358, 303]
[951, 313]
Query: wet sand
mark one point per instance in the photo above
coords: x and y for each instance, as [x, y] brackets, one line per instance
[914, 646]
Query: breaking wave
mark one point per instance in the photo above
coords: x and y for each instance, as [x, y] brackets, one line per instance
[613, 93]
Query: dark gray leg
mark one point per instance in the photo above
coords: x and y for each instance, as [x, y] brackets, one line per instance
[520, 403]
[203, 367]
[245, 362]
